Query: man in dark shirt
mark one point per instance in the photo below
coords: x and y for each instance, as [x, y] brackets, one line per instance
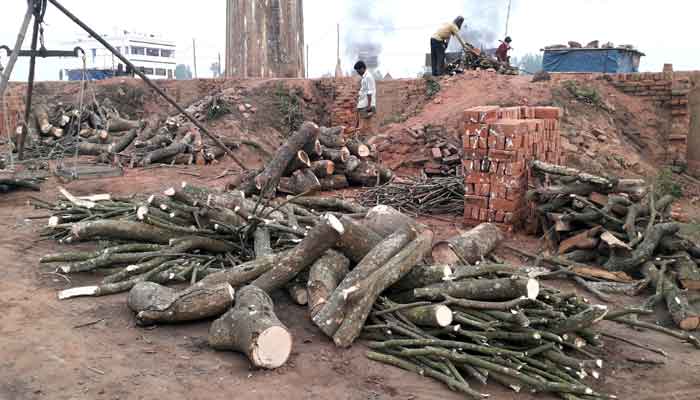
[502, 52]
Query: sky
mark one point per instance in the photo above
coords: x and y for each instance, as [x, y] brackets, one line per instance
[665, 31]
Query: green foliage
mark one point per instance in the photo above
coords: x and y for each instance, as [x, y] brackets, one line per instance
[583, 93]
[289, 104]
[666, 183]
[217, 108]
[432, 87]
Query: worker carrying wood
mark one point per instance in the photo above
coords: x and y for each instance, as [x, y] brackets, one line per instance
[366, 99]
[439, 41]
[503, 49]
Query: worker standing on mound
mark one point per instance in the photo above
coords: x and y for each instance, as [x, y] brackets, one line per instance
[438, 44]
[503, 49]
[366, 99]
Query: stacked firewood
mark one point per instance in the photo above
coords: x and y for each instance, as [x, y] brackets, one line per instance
[622, 232]
[428, 147]
[423, 196]
[316, 159]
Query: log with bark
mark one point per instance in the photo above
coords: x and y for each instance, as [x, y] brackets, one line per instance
[339, 155]
[334, 182]
[479, 289]
[324, 277]
[252, 328]
[323, 168]
[385, 220]
[357, 240]
[471, 246]
[332, 137]
[154, 303]
[683, 314]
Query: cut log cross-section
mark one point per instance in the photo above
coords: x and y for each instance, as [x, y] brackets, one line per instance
[323, 168]
[385, 220]
[676, 299]
[357, 148]
[252, 328]
[470, 246]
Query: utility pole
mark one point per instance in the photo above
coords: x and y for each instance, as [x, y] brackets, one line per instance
[194, 55]
[338, 67]
[307, 62]
[219, 71]
[510, 3]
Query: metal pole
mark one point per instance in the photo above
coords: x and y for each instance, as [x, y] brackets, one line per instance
[15, 52]
[30, 90]
[194, 55]
[510, 3]
[147, 81]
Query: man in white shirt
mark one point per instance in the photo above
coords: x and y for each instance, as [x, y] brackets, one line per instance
[367, 98]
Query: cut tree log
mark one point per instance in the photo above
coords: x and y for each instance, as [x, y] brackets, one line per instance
[645, 251]
[252, 328]
[331, 316]
[117, 124]
[296, 289]
[357, 240]
[385, 220]
[348, 166]
[579, 321]
[174, 149]
[367, 291]
[275, 168]
[470, 246]
[302, 181]
[435, 316]
[245, 273]
[335, 182]
[339, 156]
[329, 203]
[314, 148]
[357, 148]
[688, 271]
[300, 161]
[121, 143]
[323, 168]
[154, 303]
[324, 276]
[683, 314]
[41, 114]
[480, 289]
[332, 137]
[366, 174]
[121, 230]
[318, 240]
[422, 276]
[261, 242]
[586, 240]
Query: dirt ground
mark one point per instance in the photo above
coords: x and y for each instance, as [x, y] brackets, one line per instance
[91, 348]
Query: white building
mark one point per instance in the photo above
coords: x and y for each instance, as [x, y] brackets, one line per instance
[153, 55]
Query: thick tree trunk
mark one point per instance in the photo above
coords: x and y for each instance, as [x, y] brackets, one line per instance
[348, 166]
[683, 314]
[481, 289]
[275, 168]
[324, 276]
[386, 220]
[329, 203]
[471, 246]
[362, 300]
[335, 182]
[314, 149]
[323, 168]
[261, 242]
[117, 124]
[154, 303]
[174, 149]
[338, 156]
[121, 230]
[301, 160]
[366, 174]
[332, 137]
[121, 143]
[302, 181]
[644, 251]
[318, 240]
[357, 240]
[332, 314]
[253, 329]
[422, 276]
[357, 148]
[41, 114]
[296, 289]
[688, 271]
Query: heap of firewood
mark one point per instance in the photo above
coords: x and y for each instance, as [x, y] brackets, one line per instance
[316, 159]
[99, 130]
[617, 236]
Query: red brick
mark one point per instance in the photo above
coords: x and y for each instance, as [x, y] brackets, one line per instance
[476, 201]
[505, 205]
[484, 214]
[502, 155]
[547, 112]
[483, 114]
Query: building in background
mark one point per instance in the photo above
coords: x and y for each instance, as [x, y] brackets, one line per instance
[152, 55]
[265, 38]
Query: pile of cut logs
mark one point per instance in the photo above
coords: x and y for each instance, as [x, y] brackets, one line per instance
[428, 147]
[615, 231]
[316, 159]
[99, 130]
[361, 273]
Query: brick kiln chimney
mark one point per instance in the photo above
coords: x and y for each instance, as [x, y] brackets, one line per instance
[264, 38]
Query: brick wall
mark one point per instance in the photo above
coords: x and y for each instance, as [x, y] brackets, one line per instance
[499, 144]
[397, 99]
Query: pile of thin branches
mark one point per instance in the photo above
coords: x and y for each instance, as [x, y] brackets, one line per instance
[425, 196]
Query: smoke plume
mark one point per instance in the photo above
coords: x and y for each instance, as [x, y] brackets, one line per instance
[484, 24]
[364, 31]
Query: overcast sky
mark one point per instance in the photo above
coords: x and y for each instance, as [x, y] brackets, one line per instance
[666, 31]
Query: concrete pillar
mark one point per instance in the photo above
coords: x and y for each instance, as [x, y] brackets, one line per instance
[265, 38]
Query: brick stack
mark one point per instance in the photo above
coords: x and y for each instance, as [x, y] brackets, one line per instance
[498, 145]
[654, 86]
[13, 110]
[429, 147]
